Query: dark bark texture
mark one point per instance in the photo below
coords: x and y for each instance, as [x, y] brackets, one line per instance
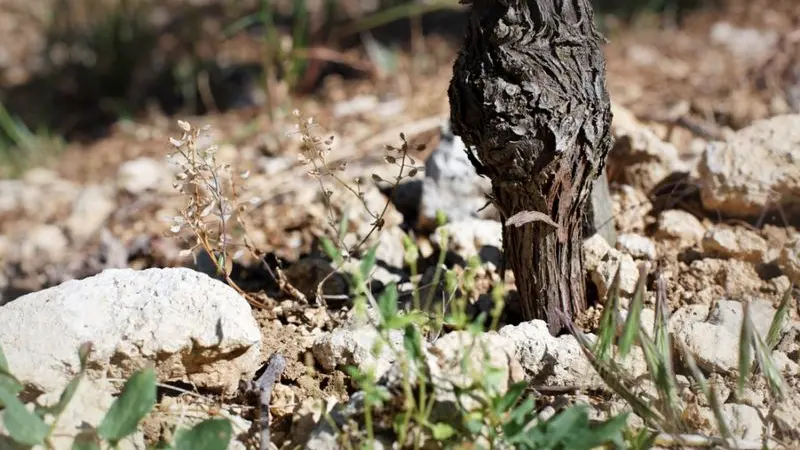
[528, 96]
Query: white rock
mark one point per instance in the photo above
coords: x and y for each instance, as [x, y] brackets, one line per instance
[630, 206]
[714, 348]
[469, 237]
[461, 360]
[739, 243]
[595, 249]
[603, 275]
[789, 261]
[564, 364]
[756, 171]
[687, 314]
[145, 174]
[356, 347]
[642, 159]
[90, 211]
[390, 247]
[43, 244]
[452, 185]
[730, 314]
[306, 416]
[530, 340]
[637, 246]
[43, 199]
[744, 421]
[678, 224]
[193, 328]
[784, 364]
[749, 44]
[787, 416]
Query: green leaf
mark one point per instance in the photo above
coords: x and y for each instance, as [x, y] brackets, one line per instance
[442, 431]
[23, 426]
[368, 263]
[565, 423]
[519, 418]
[3, 361]
[609, 431]
[441, 217]
[137, 399]
[9, 384]
[521, 412]
[745, 349]
[509, 399]
[608, 321]
[331, 250]
[86, 440]
[694, 370]
[474, 422]
[632, 323]
[343, 225]
[774, 333]
[210, 434]
[412, 341]
[387, 303]
[7, 381]
[66, 396]
[772, 374]
[83, 354]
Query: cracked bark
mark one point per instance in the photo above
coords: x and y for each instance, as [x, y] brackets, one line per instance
[528, 96]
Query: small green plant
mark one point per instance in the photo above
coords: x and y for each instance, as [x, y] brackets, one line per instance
[30, 428]
[667, 416]
[499, 419]
[102, 47]
[21, 148]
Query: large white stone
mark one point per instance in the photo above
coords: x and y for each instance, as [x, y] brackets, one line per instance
[757, 170]
[189, 326]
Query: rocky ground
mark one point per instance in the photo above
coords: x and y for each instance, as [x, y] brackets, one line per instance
[705, 185]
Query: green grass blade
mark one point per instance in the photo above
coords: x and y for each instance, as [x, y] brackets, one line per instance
[694, 370]
[773, 376]
[745, 349]
[779, 319]
[633, 322]
[616, 378]
[608, 321]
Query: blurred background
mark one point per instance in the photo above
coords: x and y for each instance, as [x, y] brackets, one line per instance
[70, 70]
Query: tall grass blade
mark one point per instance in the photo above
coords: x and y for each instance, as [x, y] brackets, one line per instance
[774, 333]
[608, 321]
[745, 349]
[633, 322]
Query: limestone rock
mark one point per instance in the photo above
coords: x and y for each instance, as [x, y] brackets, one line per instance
[473, 237]
[452, 185]
[739, 243]
[639, 156]
[193, 328]
[756, 171]
[145, 174]
[789, 261]
[89, 212]
[680, 225]
[637, 246]
[355, 347]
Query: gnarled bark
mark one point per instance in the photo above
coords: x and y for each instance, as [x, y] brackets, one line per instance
[528, 97]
